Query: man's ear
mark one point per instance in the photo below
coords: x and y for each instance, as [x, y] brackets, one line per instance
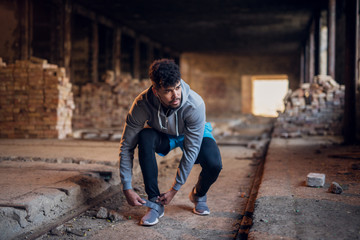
[154, 91]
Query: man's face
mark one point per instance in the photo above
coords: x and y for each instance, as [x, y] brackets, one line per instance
[170, 96]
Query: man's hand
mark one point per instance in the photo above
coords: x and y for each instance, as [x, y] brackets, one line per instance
[165, 198]
[133, 198]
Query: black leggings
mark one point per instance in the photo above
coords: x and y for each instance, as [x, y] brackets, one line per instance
[151, 141]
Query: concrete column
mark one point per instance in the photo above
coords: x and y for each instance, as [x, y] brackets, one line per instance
[117, 53]
[331, 38]
[302, 66]
[67, 35]
[357, 77]
[151, 52]
[137, 59]
[24, 13]
[317, 29]
[306, 62]
[350, 71]
[312, 53]
[323, 43]
[30, 28]
[95, 52]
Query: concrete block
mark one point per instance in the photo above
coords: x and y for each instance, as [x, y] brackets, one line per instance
[315, 180]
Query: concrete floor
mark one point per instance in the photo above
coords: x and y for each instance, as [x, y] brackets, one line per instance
[225, 200]
[285, 208]
[51, 190]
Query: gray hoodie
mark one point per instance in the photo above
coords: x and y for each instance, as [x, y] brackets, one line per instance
[188, 120]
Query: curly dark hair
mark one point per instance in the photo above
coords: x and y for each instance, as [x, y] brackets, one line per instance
[164, 73]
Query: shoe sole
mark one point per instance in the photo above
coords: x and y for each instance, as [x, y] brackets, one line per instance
[194, 210]
[201, 214]
[153, 223]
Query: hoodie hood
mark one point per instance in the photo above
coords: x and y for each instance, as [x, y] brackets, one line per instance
[162, 117]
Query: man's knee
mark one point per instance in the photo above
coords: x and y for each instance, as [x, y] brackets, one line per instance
[215, 165]
[146, 136]
[213, 157]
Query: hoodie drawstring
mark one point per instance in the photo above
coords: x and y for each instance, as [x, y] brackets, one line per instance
[176, 120]
[177, 128]
[159, 118]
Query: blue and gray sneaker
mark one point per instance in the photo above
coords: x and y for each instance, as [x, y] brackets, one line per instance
[201, 207]
[155, 211]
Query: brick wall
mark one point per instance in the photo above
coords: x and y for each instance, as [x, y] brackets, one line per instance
[35, 100]
[218, 78]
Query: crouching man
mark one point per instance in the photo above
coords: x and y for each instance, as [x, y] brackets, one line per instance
[165, 116]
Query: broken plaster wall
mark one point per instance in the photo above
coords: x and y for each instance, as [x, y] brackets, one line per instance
[217, 78]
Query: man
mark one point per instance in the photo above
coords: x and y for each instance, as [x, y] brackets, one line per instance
[165, 116]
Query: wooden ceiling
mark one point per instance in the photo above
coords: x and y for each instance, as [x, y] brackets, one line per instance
[217, 26]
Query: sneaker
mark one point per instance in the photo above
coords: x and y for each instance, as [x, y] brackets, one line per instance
[201, 207]
[155, 211]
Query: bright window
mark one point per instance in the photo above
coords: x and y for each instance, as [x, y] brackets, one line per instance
[268, 95]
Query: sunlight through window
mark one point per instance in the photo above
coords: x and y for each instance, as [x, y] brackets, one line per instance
[268, 95]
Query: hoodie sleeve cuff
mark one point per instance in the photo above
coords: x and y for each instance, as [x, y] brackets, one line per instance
[127, 186]
[176, 186]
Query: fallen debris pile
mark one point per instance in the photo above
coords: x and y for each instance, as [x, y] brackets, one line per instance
[314, 109]
[104, 106]
[111, 215]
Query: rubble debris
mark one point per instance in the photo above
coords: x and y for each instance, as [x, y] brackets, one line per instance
[76, 232]
[258, 144]
[313, 109]
[114, 216]
[315, 180]
[110, 215]
[102, 213]
[264, 220]
[335, 188]
[242, 194]
[56, 232]
[90, 136]
[116, 136]
[105, 105]
[37, 101]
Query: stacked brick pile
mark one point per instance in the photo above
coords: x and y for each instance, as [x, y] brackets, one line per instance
[35, 100]
[313, 109]
[104, 106]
